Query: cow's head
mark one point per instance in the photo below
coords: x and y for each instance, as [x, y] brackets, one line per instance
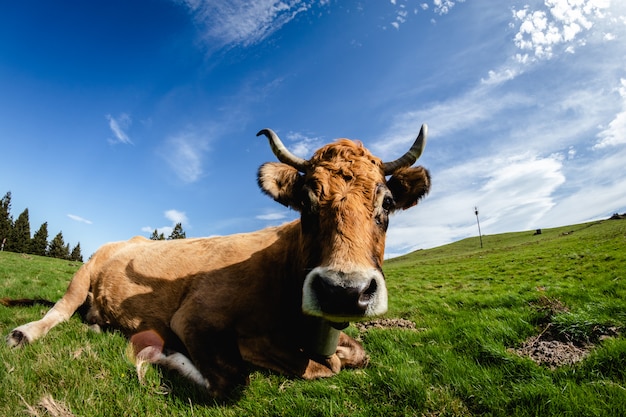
[345, 200]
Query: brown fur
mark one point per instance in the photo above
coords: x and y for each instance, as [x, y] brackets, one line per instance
[234, 301]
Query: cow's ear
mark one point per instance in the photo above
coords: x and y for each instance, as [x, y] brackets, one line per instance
[408, 186]
[281, 182]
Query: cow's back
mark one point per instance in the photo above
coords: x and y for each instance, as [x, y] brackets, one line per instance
[139, 284]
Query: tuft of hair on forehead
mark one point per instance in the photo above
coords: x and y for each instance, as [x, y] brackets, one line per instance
[344, 150]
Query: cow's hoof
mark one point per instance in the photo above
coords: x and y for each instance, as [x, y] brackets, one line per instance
[17, 339]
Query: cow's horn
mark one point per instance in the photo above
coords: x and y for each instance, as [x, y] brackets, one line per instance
[411, 156]
[282, 153]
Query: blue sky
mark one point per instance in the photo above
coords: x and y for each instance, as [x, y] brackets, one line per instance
[121, 117]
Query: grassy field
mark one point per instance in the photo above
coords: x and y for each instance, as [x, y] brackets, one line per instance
[472, 308]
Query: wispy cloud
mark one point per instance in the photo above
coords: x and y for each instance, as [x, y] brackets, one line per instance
[303, 145]
[79, 219]
[447, 118]
[273, 215]
[241, 22]
[118, 126]
[184, 153]
[614, 133]
[512, 193]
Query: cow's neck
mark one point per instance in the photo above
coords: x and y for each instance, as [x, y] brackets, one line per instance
[317, 335]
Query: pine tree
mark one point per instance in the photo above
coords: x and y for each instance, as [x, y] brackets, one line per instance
[20, 235]
[57, 248]
[39, 242]
[76, 255]
[178, 232]
[6, 221]
[157, 236]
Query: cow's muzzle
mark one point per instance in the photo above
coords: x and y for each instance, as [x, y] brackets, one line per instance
[344, 296]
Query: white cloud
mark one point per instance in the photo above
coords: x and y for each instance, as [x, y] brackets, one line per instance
[444, 6]
[558, 23]
[79, 219]
[184, 154]
[119, 126]
[500, 76]
[241, 22]
[176, 216]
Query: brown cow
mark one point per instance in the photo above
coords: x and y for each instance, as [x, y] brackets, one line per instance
[211, 307]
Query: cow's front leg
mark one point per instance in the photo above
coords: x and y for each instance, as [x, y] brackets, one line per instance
[265, 352]
[351, 352]
[322, 367]
[283, 357]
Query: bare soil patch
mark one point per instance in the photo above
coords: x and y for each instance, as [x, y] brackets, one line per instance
[391, 323]
[554, 348]
[547, 349]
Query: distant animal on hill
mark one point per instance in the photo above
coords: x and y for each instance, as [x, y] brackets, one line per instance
[210, 308]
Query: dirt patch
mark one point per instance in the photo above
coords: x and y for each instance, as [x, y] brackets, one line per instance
[554, 348]
[547, 349]
[385, 324]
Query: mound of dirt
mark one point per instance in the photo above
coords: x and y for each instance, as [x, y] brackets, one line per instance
[553, 348]
[547, 349]
[385, 324]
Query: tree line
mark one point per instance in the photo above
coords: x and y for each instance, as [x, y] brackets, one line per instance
[15, 236]
[177, 233]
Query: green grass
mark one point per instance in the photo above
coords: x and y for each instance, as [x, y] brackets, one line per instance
[470, 306]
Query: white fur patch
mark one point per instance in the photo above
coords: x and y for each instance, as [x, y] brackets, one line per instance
[184, 366]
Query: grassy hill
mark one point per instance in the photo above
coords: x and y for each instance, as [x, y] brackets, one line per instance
[528, 325]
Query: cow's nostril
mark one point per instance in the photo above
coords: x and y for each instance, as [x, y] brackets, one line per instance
[320, 285]
[366, 295]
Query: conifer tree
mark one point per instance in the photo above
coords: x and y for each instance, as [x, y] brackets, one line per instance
[157, 236]
[20, 235]
[178, 232]
[76, 255]
[6, 221]
[57, 248]
[39, 242]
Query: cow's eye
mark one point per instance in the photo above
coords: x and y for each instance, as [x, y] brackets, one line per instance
[388, 204]
[309, 200]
